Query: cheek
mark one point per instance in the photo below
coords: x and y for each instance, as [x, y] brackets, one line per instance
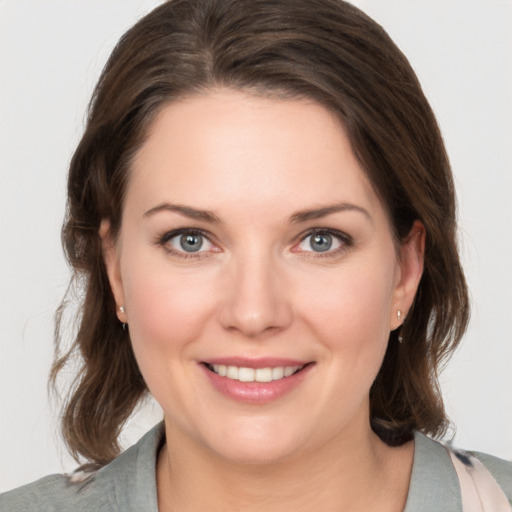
[350, 316]
[166, 309]
[355, 301]
[167, 312]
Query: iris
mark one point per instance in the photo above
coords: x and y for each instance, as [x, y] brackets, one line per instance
[321, 242]
[191, 243]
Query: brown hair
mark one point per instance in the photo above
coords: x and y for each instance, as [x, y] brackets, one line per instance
[326, 50]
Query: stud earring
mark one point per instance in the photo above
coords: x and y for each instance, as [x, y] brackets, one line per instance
[122, 311]
[399, 316]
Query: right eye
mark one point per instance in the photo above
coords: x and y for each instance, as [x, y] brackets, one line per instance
[189, 242]
[186, 243]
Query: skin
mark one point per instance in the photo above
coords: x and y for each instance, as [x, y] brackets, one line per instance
[257, 288]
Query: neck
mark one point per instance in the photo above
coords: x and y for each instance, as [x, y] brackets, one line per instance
[349, 473]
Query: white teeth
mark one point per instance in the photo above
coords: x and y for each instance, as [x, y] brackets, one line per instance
[277, 373]
[288, 371]
[232, 372]
[220, 369]
[246, 374]
[263, 375]
[251, 375]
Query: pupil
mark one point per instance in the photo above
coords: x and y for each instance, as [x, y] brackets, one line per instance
[191, 243]
[321, 243]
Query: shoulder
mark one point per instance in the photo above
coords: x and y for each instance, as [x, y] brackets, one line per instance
[445, 478]
[57, 493]
[127, 483]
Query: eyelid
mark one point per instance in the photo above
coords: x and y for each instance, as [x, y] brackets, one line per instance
[163, 240]
[345, 240]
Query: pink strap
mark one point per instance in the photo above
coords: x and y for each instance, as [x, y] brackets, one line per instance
[480, 491]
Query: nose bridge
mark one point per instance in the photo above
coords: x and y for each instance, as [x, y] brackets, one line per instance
[255, 300]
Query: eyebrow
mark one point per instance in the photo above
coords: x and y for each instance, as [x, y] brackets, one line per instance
[296, 218]
[187, 211]
[318, 213]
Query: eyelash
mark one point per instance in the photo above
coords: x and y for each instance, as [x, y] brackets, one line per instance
[345, 240]
[166, 237]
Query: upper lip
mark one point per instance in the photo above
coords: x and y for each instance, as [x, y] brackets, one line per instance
[263, 362]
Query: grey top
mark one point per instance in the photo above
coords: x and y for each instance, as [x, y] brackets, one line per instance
[128, 483]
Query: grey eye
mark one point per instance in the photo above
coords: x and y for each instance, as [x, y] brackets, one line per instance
[191, 243]
[320, 242]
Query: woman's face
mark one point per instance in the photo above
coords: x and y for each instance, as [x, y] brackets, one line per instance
[253, 247]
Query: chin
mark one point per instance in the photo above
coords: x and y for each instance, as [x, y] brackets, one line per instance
[257, 444]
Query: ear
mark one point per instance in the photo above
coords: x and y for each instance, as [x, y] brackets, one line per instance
[412, 255]
[111, 259]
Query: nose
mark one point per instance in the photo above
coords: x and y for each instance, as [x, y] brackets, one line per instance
[255, 300]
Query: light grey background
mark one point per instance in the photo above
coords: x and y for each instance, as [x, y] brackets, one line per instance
[51, 53]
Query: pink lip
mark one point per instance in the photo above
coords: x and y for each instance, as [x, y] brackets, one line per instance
[256, 392]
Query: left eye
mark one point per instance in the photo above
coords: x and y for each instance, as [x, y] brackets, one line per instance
[190, 242]
[320, 241]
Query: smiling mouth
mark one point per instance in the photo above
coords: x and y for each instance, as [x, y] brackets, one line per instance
[244, 374]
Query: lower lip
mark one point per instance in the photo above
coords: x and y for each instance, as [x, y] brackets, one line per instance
[256, 392]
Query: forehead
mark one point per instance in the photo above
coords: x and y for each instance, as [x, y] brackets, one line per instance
[230, 150]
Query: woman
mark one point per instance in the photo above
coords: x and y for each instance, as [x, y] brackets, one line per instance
[262, 214]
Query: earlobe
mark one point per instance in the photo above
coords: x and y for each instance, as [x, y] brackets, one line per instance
[412, 255]
[111, 259]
